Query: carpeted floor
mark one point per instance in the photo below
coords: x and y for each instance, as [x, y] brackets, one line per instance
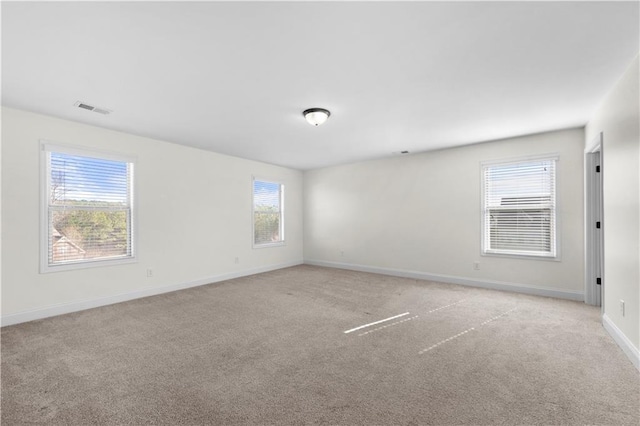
[272, 349]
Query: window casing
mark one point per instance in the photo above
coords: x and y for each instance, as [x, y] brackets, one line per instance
[519, 208]
[87, 208]
[268, 213]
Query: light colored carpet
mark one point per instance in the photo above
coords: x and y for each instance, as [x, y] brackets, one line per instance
[271, 349]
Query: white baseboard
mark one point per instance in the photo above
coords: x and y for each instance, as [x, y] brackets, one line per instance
[493, 285]
[625, 344]
[65, 308]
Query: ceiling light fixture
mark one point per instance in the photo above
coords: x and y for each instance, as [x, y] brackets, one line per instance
[316, 116]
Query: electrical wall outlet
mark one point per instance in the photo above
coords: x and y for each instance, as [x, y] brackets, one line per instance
[237, 260]
[476, 266]
[149, 273]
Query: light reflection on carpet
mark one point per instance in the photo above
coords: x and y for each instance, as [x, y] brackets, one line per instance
[464, 332]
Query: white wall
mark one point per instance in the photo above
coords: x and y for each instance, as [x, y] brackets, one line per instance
[194, 218]
[618, 117]
[422, 213]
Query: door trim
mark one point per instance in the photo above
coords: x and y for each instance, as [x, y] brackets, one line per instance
[594, 237]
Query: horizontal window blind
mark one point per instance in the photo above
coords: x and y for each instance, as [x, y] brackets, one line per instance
[89, 208]
[520, 208]
[267, 212]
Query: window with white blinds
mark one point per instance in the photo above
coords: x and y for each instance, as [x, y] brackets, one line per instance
[520, 208]
[268, 213]
[88, 208]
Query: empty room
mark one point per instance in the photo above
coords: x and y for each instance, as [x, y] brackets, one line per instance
[345, 213]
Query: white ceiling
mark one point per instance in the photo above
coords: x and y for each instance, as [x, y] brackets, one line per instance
[235, 77]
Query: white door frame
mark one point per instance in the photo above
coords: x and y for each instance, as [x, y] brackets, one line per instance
[594, 235]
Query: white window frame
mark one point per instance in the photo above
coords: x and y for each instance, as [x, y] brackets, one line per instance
[253, 215]
[554, 255]
[45, 184]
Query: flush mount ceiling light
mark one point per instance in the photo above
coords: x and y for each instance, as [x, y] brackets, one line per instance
[316, 116]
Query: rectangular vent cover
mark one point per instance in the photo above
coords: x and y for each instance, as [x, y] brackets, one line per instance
[86, 106]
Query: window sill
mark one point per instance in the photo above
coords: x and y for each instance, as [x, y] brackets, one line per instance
[268, 245]
[46, 268]
[548, 258]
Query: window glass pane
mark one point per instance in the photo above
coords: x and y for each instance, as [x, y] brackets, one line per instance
[89, 211]
[88, 234]
[267, 212]
[522, 183]
[77, 180]
[521, 229]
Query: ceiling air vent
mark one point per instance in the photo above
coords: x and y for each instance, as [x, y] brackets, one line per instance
[99, 110]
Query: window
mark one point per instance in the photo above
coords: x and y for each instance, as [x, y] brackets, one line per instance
[268, 212]
[520, 208]
[87, 208]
